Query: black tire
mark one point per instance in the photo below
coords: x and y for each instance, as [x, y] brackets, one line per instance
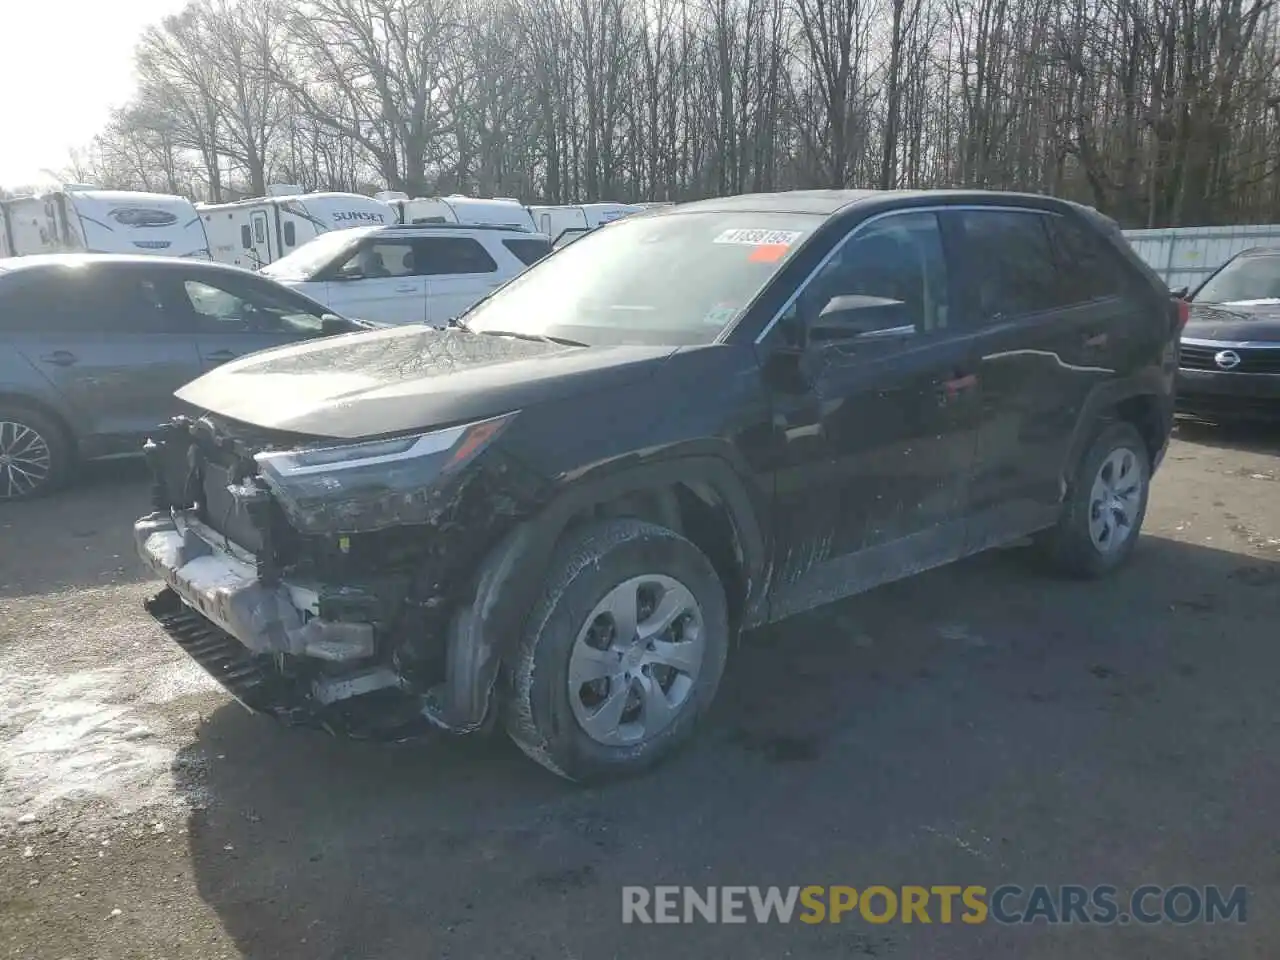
[537, 711]
[1069, 547]
[54, 439]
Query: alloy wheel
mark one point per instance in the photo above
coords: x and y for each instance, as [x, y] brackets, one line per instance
[25, 460]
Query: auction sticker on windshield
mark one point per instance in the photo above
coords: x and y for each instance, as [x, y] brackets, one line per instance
[760, 238]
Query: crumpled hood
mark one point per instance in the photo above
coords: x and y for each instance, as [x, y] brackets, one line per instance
[1221, 321]
[408, 378]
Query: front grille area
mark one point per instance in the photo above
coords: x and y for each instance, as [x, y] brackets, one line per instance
[223, 513]
[1252, 359]
[199, 460]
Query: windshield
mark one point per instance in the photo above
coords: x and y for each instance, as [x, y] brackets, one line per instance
[676, 279]
[312, 256]
[1243, 280]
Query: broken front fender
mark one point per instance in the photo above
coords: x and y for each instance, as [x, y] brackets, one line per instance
[487, 629]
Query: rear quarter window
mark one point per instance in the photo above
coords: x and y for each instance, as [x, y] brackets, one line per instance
[529, 251]
[1087, 267]
[443, 256]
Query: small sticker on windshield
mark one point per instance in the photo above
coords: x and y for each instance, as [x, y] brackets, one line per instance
[720, 314]
[760, 238]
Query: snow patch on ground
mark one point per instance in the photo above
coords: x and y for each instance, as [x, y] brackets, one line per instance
[97, 734]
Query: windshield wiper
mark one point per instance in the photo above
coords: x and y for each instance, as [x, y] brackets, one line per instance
[538, 337]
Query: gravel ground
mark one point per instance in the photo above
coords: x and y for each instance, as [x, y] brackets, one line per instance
[978, 725]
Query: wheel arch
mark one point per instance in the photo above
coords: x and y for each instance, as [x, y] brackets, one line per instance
[24, 401]
[704, 494]
[1140, 403]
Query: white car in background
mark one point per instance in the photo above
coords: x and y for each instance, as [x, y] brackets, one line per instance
[411, 273]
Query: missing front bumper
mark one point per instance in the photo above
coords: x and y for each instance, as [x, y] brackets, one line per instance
[259, 685]
[221, 582]
[266, 644]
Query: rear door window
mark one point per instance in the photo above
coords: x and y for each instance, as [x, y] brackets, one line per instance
[1012, 267]
[88, 301]
[529, 251]
[440, 256]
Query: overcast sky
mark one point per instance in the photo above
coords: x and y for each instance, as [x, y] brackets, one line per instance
[63, 66]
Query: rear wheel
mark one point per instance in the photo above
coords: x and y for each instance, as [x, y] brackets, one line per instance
[34, 453]
[622, 654]
[1106, 505]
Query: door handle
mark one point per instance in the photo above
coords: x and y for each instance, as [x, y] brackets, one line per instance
[60, 358]
[220, 356]
[408, 289]
[960, 382]
[1095, 341]
[950, 388]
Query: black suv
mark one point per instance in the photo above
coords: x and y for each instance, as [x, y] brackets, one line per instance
[556, 514]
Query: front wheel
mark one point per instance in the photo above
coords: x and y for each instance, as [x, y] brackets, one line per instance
[622, 654]
[1106, 505]
[34, 454]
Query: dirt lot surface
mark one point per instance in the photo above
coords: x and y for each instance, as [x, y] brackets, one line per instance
[978, 725]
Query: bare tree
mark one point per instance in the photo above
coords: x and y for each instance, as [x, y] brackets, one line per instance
[1154, 111]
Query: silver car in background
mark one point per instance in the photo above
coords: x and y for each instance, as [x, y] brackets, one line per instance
[92, 347]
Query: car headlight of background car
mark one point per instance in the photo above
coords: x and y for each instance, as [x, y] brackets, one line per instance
[361, 487]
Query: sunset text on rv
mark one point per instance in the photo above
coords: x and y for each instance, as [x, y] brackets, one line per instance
[254, 232]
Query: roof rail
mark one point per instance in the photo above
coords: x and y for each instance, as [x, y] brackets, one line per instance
[508, 227]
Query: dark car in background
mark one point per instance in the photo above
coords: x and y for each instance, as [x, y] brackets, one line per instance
[555, 515]
[93, 346]
[1230, 353]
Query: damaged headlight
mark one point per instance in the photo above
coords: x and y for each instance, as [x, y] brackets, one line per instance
[369, 486]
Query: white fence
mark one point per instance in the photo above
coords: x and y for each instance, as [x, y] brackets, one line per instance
[1185, 256]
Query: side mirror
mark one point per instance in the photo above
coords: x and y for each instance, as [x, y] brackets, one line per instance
[1180, 293]
[350, 271]
[858, 317]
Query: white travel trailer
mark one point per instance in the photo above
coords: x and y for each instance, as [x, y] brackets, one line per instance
[471, 211]
[252, 233]
[565, 223]
[80, 218]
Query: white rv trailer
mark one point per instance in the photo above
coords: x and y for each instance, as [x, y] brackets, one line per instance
[252, 233]
[470, 211]
[80, 218]
[570, 221]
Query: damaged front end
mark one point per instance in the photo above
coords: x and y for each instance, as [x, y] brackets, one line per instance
[320, 582]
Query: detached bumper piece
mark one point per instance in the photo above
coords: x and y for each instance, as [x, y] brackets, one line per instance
[265, 645]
